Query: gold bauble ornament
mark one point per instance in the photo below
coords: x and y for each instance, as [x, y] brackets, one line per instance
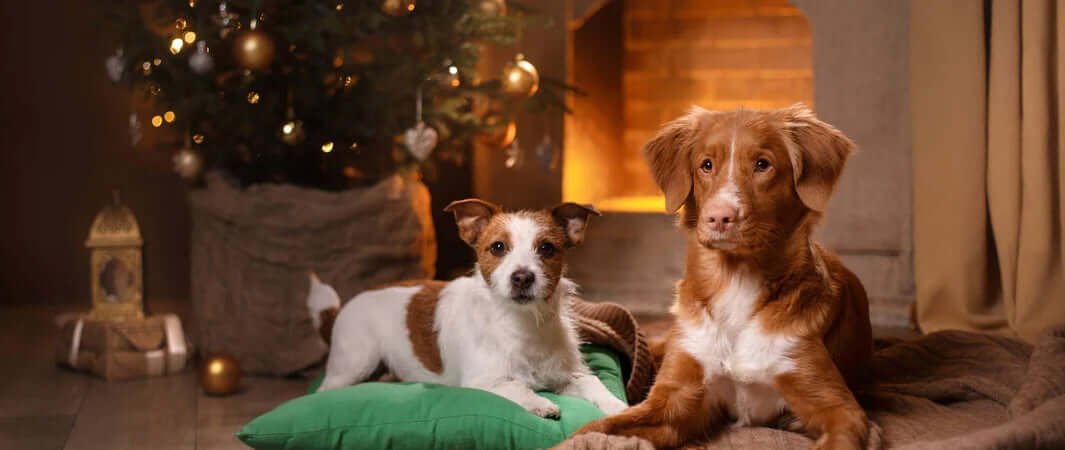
[253, 49]
[219, 374]
[397, 8]
[498, 132]
[520, 78]
[493, 8]
[187, 162]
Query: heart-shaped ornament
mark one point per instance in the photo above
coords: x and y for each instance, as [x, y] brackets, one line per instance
[420, 141]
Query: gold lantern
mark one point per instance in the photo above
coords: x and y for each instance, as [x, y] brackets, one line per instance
[117, 272]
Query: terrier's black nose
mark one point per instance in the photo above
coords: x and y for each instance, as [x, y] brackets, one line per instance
[522, 279]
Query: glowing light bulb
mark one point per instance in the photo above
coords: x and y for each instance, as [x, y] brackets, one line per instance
[169, 116]
[197, 138]
[288, 127]
[176, 45]
[190, 37]
[327, 147]
[157, 121]
[253, 97]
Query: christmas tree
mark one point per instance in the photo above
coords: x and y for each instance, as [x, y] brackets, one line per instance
[322, 93]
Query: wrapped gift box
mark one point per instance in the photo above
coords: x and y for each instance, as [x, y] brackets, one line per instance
[135, 348]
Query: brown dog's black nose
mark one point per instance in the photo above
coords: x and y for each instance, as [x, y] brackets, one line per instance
[522, 279]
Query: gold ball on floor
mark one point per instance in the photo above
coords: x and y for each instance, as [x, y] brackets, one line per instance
[219, 374]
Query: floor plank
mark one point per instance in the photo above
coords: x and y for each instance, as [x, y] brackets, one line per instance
[156, 413]
[221, 417]
[35, 432]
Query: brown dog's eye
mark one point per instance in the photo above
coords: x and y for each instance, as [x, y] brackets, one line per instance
[497, 248]
[761, 165]
[546, 250]
[706, 165]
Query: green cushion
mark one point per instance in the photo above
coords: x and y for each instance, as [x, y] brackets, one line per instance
[424, 416]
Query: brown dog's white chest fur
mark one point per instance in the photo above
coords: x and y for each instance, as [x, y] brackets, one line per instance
[739, 357]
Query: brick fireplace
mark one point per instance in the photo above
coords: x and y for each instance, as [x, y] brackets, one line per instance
[646, 62]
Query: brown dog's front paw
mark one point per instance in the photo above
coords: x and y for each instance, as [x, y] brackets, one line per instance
[864, 435]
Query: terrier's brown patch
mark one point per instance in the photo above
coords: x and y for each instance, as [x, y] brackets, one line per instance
[421, 315]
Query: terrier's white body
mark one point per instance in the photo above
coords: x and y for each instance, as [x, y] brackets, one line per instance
[487, 338]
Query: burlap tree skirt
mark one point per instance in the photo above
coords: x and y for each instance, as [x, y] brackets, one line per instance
[251, 250]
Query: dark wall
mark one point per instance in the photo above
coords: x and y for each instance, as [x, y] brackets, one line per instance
[64, 128]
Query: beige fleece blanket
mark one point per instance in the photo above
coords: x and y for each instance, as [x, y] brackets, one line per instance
[948, 390]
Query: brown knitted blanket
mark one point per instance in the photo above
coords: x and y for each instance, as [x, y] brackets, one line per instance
[611, 325]
[948, 390]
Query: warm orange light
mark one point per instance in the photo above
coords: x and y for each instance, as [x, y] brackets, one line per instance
[327, 147]
[176, 45]
[169, 116]
[253, 97]
[190, 37]
[410, 6]
[340, 6]
[157, 61]
[197, 138]
[216, 367]
[157, 121]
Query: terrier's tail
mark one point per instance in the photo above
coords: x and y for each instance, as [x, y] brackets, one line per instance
[323, 303]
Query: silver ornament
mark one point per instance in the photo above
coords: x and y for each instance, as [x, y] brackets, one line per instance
[135, 133]
[116, 66]
[201, 61]
[420, 141]
[546, 154]
[188, 163]
[514, 155]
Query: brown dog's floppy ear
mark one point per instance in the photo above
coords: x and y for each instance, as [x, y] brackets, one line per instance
[472, 216]
[818, 152]
[668, 155]
[573, 218]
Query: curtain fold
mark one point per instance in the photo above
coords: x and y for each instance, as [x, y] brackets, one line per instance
[988, 105]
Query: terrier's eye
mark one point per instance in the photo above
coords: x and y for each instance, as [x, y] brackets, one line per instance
[546, 250]
[761, 165]
[497, 248]
[706, 165]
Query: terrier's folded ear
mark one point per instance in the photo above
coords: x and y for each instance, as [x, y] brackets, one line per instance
[472, 216]
[573, 218]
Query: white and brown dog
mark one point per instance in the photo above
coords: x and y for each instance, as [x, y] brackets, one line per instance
[767, 320]
[505, 328]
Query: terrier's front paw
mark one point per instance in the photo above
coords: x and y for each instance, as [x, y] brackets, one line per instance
[610, 405]
[542, 407]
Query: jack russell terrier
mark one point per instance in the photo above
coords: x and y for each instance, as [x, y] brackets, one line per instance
[767, 321]
[505, 328]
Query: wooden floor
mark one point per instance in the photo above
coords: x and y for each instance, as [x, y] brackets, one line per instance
[46, 407]
[43, 406]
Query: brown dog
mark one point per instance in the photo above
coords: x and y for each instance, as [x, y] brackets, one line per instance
[767, 320]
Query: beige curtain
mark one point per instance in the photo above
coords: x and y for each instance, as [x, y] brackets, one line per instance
[988, 101]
